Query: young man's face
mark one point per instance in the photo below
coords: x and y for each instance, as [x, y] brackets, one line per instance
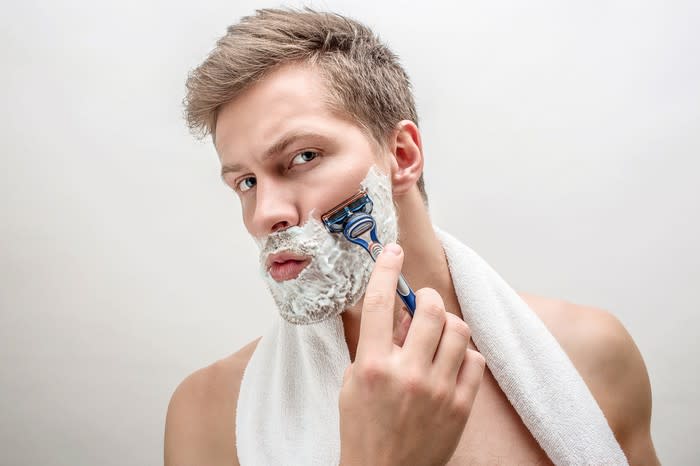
[321, 163]
[290, 160]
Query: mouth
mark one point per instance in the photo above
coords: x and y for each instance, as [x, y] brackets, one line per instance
[286, 266]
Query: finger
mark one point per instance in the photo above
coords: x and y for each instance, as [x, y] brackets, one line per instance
[426, 328]
[452, 348]
[402, 322]
[469, 377]
[377, 322]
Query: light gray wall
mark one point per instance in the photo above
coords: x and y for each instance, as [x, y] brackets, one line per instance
[562, 143]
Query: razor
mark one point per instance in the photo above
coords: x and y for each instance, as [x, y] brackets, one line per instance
[353, 219]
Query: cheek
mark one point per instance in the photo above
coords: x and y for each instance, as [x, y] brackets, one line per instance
[336, 191]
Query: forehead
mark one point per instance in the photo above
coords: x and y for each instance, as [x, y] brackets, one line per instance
[291, 98]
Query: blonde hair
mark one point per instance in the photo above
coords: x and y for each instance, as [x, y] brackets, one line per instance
[364, 79]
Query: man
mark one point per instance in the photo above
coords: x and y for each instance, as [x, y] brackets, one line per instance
[303, 108]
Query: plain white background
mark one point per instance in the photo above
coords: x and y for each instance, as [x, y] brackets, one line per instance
[561, 143]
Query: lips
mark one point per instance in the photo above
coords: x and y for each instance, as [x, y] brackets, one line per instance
[286, 266]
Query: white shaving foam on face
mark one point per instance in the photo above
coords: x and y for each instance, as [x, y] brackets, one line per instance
[337, 275]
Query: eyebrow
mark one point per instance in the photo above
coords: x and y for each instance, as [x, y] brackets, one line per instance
[279, 146]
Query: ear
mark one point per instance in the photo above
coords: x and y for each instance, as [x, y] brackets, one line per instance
[407, 161]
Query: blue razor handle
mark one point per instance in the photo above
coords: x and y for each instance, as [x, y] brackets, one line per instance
[357, 225]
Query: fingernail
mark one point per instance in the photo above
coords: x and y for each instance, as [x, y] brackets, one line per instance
[393, 248]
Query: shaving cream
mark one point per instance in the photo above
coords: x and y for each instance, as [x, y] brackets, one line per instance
[337, 275]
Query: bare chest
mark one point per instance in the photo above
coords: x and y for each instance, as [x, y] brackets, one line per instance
[495, 434]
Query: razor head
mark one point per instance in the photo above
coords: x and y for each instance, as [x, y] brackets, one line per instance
[358, 225]
[336, 218]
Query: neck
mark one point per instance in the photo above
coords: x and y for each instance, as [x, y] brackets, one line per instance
[424, 265]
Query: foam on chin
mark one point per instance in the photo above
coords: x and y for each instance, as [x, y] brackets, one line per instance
[337, 276]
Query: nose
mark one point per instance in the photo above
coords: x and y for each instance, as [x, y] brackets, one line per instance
[275, 209]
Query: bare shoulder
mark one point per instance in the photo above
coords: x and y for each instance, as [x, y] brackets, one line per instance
[610, 363]
[200, 424]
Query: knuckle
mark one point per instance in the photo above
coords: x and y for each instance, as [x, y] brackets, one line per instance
[459, 326]
[473, 367]
[441, 393]
[477, 359]
[375, 301]
[371, 373]
[385, 263]
[430, 304]
[435, 312]
[415, 384]
[461, 407]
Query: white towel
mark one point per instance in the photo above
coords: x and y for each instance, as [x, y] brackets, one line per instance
[287, 410]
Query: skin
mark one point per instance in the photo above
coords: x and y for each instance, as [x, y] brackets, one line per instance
[476, 423]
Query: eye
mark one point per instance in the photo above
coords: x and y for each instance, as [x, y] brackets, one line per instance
[304, 157]
[246, 183]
